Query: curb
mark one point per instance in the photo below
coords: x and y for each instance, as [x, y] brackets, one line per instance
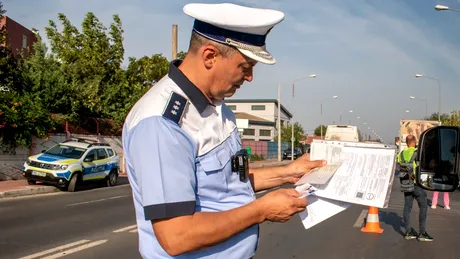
[28, 191]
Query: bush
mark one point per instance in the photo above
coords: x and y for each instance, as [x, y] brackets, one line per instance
[256, 157]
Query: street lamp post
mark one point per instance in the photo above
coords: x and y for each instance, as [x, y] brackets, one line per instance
[426, 104]
[279, 122]
[321, 125]
[439, 92]
[445, 8]
[292, 130]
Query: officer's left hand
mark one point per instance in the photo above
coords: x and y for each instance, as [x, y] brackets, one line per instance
[301, 166]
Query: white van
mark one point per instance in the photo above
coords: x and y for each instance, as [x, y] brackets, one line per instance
[342, 133]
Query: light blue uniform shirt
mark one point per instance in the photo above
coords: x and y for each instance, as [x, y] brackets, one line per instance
[178, 150]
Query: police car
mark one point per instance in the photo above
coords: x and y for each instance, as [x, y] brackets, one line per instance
[72, 162]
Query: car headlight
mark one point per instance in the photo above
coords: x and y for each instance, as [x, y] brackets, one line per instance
[64, 167]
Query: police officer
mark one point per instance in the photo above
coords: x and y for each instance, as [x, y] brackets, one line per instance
[193, 194]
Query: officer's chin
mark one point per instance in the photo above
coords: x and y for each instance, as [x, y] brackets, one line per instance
[229, 94]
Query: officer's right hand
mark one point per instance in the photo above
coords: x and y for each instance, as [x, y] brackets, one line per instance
[282, 204]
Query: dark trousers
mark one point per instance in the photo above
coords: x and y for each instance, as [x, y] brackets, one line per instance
[420, 195]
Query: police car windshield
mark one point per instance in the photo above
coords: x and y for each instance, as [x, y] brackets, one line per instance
[66, 151]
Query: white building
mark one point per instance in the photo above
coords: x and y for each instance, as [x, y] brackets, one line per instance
[262, 116]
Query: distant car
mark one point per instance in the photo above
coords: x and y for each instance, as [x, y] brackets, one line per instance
[73, 162]
[297, 153]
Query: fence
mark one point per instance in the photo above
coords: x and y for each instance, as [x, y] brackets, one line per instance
[267, 149]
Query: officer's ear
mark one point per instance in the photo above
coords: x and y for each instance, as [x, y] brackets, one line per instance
[209, 56]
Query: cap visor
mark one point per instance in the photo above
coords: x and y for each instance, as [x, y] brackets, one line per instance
[261, 56]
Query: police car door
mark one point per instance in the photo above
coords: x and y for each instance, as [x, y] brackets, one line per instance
[103, 162]
[93, 168]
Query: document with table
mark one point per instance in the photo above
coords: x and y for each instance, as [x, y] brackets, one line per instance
[357, 173]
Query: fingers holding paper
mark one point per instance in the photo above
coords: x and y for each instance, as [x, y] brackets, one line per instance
[301, 166]
[282, 204]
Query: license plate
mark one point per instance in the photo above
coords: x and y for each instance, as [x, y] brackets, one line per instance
[39, 173]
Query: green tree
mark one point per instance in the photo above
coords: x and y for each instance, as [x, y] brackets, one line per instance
[147, 70]
[286, 133]
[22, 114]
[434, 117]
[454, 119]
[91, 64]
[181, 55]
[318, 130]
[47, 80]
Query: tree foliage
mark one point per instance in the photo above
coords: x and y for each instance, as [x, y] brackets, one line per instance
[22, 111]
[454, 119]
[79, 75]
[286, 133]
[318, 130]
[434, 117]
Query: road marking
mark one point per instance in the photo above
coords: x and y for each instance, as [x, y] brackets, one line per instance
[124, 229]
[106, 199]
[76, 249]
[133, 231]
[59, 248]
[360, 219]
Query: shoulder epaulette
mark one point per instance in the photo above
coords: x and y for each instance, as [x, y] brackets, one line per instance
[175, 107]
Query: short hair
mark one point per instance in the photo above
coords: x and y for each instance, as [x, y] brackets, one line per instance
[197, 41]
[410, 139]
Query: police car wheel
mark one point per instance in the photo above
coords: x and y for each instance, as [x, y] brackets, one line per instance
[31, 182]
[112, 179]
[73, 183]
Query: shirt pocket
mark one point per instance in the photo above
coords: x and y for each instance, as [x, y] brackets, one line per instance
[212, 173]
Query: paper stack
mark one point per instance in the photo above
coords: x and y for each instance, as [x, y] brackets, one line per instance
[357, 173]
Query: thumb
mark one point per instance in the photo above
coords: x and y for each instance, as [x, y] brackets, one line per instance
[292, 193]
[318, 163]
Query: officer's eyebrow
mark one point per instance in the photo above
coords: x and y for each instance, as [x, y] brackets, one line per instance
[248, 63]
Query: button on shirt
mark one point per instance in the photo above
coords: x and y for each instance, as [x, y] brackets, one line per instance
[178, 150]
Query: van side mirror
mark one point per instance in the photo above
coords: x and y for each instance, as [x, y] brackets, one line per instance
[438, 159]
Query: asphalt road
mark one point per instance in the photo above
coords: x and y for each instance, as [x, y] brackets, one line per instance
[100, 223]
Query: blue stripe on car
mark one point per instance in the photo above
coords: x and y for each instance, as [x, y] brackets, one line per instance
[50, 158]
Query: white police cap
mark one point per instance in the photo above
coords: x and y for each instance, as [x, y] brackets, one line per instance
[245, 28]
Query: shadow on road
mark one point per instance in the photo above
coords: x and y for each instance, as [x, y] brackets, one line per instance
[392, 219]
[122, 180]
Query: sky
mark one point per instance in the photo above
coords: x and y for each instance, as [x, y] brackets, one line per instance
[366, 52]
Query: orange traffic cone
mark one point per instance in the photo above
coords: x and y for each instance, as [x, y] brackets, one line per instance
[372, 222]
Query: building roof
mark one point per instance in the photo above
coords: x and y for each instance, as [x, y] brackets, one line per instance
[260, 101]
[243, 115]
[254, 120]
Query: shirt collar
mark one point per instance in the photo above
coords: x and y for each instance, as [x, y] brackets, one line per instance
[194, 94]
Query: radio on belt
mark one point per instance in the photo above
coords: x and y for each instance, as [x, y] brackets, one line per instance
[240, 164]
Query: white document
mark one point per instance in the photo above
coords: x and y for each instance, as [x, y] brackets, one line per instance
[365, 175]
[320, 209]
[319, 175]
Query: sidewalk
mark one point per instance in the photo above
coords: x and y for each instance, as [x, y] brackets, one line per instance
[16, 188]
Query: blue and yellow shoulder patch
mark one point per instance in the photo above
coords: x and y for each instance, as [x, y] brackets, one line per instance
[175, 107]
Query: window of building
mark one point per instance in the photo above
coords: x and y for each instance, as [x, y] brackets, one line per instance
[265, 133]
[258, 107]
[232, 107]
[24, 41]
[249, 132]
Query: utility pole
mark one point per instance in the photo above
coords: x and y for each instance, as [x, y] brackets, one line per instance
[174, 41]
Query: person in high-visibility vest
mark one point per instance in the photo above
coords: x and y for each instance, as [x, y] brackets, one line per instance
[416, 193]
